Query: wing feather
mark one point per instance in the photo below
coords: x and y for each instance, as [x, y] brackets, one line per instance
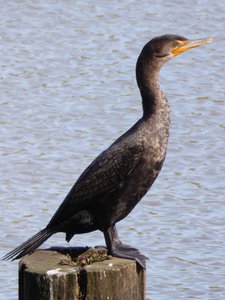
[103, 176]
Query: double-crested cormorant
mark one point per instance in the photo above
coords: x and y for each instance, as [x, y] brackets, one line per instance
[121, 175]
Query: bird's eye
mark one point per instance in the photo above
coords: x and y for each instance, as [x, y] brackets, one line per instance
[176, 43]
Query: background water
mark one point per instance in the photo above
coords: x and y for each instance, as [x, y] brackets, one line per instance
[68, 90]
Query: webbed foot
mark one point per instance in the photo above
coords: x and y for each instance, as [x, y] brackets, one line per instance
[125, 251]
[116, 248]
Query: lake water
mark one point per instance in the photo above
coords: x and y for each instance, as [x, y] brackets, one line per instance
[68, 90]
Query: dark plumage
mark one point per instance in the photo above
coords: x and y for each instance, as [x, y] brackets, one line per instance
[121, 175]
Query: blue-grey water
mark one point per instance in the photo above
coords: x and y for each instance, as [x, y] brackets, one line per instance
[68, 90]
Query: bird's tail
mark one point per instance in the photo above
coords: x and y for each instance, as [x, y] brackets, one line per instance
[30, 245]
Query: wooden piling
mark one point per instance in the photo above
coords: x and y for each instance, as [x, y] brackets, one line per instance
[79, 274]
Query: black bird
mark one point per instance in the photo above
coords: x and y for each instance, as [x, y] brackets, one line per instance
[120, 176]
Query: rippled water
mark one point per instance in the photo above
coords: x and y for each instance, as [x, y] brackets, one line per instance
[68, 90]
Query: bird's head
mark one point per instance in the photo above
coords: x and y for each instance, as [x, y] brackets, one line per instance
[163, 48]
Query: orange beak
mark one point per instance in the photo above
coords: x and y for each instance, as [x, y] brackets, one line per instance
[189, 44]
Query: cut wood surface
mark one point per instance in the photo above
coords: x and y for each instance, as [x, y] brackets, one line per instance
[79, 274]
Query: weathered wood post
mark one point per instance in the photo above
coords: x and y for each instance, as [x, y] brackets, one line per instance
[79, 274]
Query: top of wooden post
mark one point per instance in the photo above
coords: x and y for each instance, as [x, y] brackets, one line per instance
[65, 273]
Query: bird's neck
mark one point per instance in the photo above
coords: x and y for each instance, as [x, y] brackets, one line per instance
[148, 82]
[151, 96]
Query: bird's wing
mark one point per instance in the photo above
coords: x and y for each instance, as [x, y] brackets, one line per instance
[103, 176]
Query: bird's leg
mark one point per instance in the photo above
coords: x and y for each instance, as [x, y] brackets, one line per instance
[116, 248]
